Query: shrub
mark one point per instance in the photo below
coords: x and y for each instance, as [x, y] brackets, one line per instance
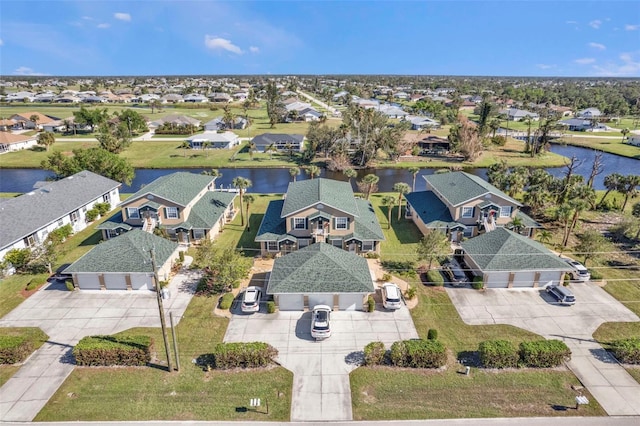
[418, 353]
[374, 353]
[103, 208]
[271, 307]
[61, 234]
[627, 350]
[113, 350]
[226, 301]
[14, 349]
[432, 334]
[386, 277]
[410, 293]
[434, 277]
[372, 255]
[371, 304]
[596, 275]
[69, 285]
[92, 215]
[18, 258]
[477, 283]
[498, 354]
[239, 355]
[181, 256]
[544, 353]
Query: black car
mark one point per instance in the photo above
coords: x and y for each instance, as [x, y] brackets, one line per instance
[454, 273]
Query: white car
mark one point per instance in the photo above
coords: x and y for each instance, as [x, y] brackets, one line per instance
[391, 296]
[320, 318]
[579, 273]
[251, 299]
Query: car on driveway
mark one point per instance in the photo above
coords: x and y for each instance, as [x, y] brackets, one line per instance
[391, 296]
[563, 295]
[454, 272]
[251, 299]
[579, 272]
[320, 322]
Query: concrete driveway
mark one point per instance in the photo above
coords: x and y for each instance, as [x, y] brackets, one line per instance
[534, 310]
[321, 390]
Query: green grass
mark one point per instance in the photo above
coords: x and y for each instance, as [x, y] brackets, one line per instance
[612, 146]
[35, 335]
[384, 393]
[402, 238]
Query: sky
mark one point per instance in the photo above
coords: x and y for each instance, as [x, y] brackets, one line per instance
[563, 38]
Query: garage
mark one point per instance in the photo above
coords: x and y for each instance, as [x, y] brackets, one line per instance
[351, 302]
[141, 282]
[523, 279]
[320, 299]
[497, 280]
[115, 281]
[87, 282]
[290, 302]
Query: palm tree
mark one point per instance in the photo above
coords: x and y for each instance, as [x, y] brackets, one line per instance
[563, 214]
[213, 172]
[629, 188]
[313, 171]
[47, 139]
[205, 146]
[414, 171]
[635, 212]
[248, 199]
[34, 118]
[294, 172]
[241, 183]
[516, 224]
[369, 182]
[185, 146]
[252, 148]
[612, 182]
[289, 147]
[350, 173]
[545, 236]
[494, 125]
[624, 132]
[228, 117]
[389, 201]
[271, 148]
[401, 188]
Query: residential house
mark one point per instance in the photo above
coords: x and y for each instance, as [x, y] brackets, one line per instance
[214, 140]
[124, 263]
[420, 123]
[218, 123]
[24, 120]
[280, 141]
[319, 210]
[177, 120]
[460, 204]
[505, 259]
[171, 98]
[11, 142]
[196, 98]
[183, 204]
[582, 125]
[310, 114]
[220, 97]
[28, 219]
[514, 114]
[634, 139]
[56, 126]
[320, 274]
[589, 113]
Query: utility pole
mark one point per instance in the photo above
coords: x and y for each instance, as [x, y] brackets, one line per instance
[161, 309]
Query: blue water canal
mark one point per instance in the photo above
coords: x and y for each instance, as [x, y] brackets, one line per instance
[276, 180]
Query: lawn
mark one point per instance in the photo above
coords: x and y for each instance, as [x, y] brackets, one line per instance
[612, 146]
[33, 334]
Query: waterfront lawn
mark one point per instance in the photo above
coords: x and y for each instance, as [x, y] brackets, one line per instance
[612, 146]
[401, 240]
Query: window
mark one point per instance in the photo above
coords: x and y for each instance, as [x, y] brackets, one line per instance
[30, 241]
[106, 198]
[303, 243]
[468, 231]
[112, 233]
[505, 211]
[60, 222]
[336, 243]
[272, 246]
[342, 222]
[74, 216]
[367, 245]
[299, 223]
[133, 213]
[198, 234]
[171, 212]
[467, 212]
[84, 209]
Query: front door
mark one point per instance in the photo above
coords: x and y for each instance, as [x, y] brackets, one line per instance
[353, 247]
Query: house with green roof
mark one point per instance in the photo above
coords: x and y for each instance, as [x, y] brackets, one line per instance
[320, 274]
[463, 205]
[185, 205]
[124, 263]
[319, 210]
[506, 259]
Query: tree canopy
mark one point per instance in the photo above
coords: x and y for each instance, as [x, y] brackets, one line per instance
[96, 160]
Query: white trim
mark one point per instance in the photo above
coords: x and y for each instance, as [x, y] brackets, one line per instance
[341, 223]
[133, 213]
[503, 211]
[464, 210]
[296, 222]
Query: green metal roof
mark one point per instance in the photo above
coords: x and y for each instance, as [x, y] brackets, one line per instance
[432, 211]
[180, 187]
[460, 187]
[307, 193]
[320, 268]
[504, 250]
[128, 252]
[273, 226]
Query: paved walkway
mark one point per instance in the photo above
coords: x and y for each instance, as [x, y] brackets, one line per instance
[530, 309]
[67, 317]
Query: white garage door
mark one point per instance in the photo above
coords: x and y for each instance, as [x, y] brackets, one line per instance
[141, 282]
[523, 279]
[497, 280]
[351, 301]
[88, 282]
[320, 299]
[548, 276]
[115, 282]
[290, 302]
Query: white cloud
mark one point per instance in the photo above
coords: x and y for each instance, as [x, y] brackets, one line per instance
[631, 27]
[27, 71]
[122, 16]
[598, 46]
[571, 22]
[628, 67]
[584, 61]
[218, 43]
[103, 26]
[1, 42]
[545, 66]
[87, 18]
[254, 49]
[595, 23]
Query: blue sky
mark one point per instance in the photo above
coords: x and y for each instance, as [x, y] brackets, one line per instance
[501, 38]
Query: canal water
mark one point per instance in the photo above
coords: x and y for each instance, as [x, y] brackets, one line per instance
[277, 180]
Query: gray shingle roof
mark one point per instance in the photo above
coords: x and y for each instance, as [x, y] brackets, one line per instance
[527, 220]
[432, 211]
[333, 193]
[128, 252]
[460, 187]
[504, 250]
[367, 226]
[208, 210]
[115, 222]
[269, 138]
[320, 268]
[273, 226]
[23, 215]
[180, 187]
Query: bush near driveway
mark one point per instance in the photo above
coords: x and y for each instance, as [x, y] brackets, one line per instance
[238, 355]
[498, 354]
[374, 353]
[16, 344]
[627, 350]
[435, 278]
[544, 353]
[418, 353]
[110, 350]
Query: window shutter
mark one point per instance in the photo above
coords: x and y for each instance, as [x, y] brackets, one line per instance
[306, 223]
[166, 214]
[293, 224]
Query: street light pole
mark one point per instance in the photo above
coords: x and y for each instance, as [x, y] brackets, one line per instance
[161, 309]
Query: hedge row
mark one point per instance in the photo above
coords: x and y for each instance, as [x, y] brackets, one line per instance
[111, 350]
[14, 349]
[374, 353]
[627, 350]
[418, 353]
[537, 354]
[239, 355]
[434, 277]
[226, 300]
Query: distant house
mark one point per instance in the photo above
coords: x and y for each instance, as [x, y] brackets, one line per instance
[177, 120]
[589, 113]
[319, 210]
[225, 140]
[23, 120]
[28, 219]
[172, 98]
[634, 139]
[220, 97]
[420, 123]
[196, 98]
[582, 125]
[281, 141]
[514, 114]
[310, 114]
[11, 142]
[56, 126]
[392, 111]
[219, 124]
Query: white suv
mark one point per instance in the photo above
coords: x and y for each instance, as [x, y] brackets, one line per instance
[579, 273]
[251, 299]
[320, 328]
[391, 296]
